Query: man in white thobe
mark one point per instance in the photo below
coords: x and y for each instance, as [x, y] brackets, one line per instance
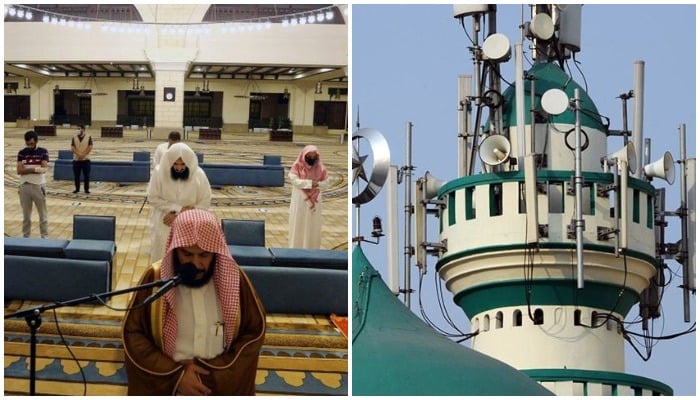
[176, 185]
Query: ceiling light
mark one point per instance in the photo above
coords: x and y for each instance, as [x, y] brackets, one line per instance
[285, 23]
[320, 17]
[12, 11]
[46, 18]
[302, 20]
[311, 19]
[329, 15]
[20, 13]
[28, 15]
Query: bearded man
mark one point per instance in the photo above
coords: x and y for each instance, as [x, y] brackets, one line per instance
[204, 336]
[178, 184]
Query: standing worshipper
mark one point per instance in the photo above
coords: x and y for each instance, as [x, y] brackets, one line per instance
[81, 146]
[173, 137]
[32, 162]
[307, 175]
[204, 336]
[176, 185]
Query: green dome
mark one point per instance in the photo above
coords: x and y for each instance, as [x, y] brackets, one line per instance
[395, 353]
[550, 76]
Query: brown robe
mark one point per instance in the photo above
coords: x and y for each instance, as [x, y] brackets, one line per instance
[151, 372]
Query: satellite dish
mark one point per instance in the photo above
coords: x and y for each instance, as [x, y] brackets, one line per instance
[497, 48]
[542, 26]
[555, 101]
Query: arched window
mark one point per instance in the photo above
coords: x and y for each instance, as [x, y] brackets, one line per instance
[475, 327]
[487, 323]
[517, 318]
[499, 320]
[577, 317]
[539, 317]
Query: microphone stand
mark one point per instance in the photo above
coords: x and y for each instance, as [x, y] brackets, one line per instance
[33, 317]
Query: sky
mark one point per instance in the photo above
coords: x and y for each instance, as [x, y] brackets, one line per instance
[404, 68]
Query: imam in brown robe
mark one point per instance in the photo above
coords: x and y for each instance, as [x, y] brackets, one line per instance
[150, 333]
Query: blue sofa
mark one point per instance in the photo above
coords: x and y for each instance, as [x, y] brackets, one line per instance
[103, 170]
[284, 290]
[54, 279]
[61, 269]
[244, 175]
[316, 258]
[289, 281]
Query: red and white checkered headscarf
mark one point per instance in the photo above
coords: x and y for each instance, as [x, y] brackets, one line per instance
[200, 227]
[316, 172]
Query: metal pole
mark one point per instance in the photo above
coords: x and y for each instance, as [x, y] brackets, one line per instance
[578, 178]
[520, 103]
[638, 128]
[684, 228]
[408, 208]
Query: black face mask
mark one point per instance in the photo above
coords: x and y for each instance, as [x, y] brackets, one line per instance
[180, 175]
[188, 272]
[309, 160]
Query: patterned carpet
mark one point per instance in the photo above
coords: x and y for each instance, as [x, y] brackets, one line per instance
[302, 355]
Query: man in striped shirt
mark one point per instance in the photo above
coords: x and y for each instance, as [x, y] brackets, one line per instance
[32, 162]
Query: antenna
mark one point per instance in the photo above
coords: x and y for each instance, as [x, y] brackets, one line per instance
[408, 211]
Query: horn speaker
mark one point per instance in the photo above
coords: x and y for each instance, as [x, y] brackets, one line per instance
[494, 150]
[432, 185]
[662, 168]
[627, 154]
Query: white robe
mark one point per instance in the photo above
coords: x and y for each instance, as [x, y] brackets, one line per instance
[158, 154]
[304, 223]
[166, 194]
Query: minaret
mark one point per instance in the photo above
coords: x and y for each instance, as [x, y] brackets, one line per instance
[548, 248]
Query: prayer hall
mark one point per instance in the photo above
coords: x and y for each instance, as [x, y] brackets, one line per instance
[247, 87]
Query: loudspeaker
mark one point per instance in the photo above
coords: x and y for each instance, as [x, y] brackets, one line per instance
[662, 168]
[627, 154]
[432, 185]
[494, 150]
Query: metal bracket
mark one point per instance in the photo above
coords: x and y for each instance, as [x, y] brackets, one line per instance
[605, 233]
[603, 190]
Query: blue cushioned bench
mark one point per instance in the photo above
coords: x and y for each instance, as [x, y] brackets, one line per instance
[284, 290]
[244, 175]
[310, 258]
[54, 279]
[103, 170]
[38, 247]
[250, 255]
[93, 240]
[246, 241]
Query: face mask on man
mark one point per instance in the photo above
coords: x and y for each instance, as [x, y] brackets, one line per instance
[310, 160]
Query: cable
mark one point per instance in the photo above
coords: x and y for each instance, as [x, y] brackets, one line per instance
[65, 343]
[427, 319]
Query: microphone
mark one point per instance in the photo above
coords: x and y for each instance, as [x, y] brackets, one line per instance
[188, 272]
